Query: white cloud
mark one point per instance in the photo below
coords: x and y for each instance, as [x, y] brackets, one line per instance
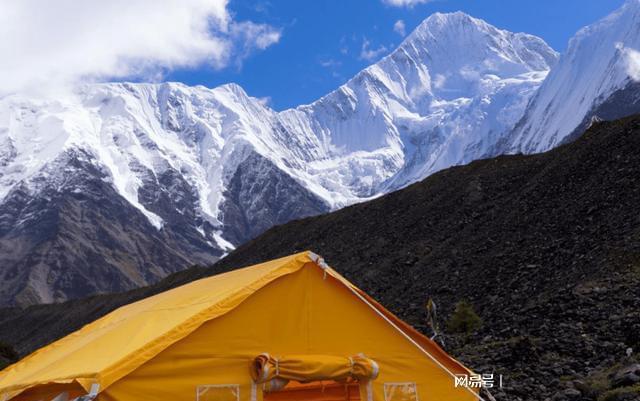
[265, 101]
[330, 63]
[399, 28]
[65, 41]
[439, 80]
[344, 47]
[249, 37]
[333, 66]
[369, 54]
[633, 63]
[405, 3]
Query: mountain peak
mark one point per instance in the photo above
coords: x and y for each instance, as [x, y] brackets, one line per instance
[233, 88]
[624, 19]
[455, 41]
[455, 17]
[438, 22]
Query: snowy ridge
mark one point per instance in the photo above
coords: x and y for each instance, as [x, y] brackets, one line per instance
[601, 59]
[451, 91]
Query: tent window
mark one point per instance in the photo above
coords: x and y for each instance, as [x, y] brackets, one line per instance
[406, 391]
[218, 392]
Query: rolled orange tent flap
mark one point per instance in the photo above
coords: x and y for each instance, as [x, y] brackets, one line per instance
[307, 368]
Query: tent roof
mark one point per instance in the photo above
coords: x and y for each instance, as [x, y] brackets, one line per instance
[113, 346]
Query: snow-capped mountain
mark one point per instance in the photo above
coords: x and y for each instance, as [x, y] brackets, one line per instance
[597, 78]
[117, 185]
[448, 94]
[114, 186]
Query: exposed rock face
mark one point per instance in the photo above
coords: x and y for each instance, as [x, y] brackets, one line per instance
[75, 236]
[260, 196]
[619, 104]
[69, 234]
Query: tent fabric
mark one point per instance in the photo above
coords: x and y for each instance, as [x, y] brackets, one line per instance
[203, 334]
[426, 344]
[116, 344]
[308, 368]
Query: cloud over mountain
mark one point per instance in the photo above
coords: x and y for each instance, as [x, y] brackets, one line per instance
[65, 41]
[405, 3]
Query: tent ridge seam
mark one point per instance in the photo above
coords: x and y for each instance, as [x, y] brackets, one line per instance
[197, 320]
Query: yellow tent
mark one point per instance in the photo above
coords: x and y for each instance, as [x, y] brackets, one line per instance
[288, 329]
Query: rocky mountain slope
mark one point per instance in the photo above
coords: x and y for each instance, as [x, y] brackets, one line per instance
[545, 247]
[78, 236]
[601, 68]
[162, 176]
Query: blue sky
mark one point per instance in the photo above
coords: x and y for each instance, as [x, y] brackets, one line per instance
[322, 41]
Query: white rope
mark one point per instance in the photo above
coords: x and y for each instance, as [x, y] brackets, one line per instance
[320, 263]
[415, 343]
[405, 335]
